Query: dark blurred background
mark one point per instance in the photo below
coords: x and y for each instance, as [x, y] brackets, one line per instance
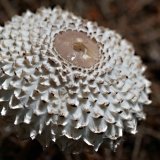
[139, 22]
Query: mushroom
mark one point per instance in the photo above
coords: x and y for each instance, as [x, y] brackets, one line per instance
[67, 80]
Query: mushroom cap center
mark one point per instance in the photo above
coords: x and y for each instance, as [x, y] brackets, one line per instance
[77, 48]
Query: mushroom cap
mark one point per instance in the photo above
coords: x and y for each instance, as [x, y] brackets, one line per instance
[49, 94]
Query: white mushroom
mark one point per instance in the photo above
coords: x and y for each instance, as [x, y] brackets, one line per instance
[64, 79]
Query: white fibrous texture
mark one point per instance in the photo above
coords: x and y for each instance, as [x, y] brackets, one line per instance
[45, 97]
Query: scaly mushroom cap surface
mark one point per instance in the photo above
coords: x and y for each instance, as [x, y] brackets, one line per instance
[67, 80]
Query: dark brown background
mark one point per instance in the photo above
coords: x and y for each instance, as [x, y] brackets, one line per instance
[136, 20]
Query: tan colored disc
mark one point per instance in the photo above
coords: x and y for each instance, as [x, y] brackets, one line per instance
[77, 48]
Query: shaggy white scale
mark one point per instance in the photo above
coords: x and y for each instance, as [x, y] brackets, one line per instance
[67, 80]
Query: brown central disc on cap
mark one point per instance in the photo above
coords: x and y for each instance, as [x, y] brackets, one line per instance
[77, 48]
